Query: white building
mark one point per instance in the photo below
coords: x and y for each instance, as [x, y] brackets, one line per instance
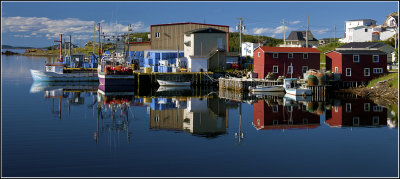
[248, 49]
[353, 27]
[205, 49]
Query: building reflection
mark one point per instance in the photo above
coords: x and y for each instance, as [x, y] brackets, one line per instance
[205, 117]
[356, 112]
[283, 113]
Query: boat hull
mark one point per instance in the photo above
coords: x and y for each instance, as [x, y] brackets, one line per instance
[172, 83]
[298, 91]
[117, 80]
[268, 89]
[65, 77]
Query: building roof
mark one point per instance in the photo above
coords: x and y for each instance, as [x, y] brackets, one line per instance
[290, 49]
[188, 23]
[365, 52]
[205, 30]
[363, 45]
[300, 35]
[362, 20]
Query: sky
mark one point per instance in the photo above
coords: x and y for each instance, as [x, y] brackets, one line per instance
[38, 24]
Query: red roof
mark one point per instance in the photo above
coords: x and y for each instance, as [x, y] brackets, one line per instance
[290, 49]
[188, 23]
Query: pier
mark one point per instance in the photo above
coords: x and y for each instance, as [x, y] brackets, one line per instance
[242, 84]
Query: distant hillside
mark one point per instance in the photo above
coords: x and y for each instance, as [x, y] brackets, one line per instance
[264, 40]
[13, 47]
[64, 46]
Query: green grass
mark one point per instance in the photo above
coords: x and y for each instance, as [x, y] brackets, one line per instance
[393, 83]
[326, 48]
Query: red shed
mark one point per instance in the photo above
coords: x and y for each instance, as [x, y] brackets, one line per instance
[357, 65]
[285, 61]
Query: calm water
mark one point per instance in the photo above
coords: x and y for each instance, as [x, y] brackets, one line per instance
[75, 130]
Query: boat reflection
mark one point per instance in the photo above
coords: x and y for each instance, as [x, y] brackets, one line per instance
[356, 112]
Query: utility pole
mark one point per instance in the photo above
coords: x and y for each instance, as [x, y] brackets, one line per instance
[308, 19]
[240, 27]
[334, 35]
[284, 33]
[70, 46]
[61, 56]
[98, 28]
[94, 38]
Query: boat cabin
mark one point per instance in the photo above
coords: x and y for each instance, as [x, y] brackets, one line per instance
[290, 83]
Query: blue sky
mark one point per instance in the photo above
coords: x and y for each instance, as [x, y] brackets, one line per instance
[38, 24]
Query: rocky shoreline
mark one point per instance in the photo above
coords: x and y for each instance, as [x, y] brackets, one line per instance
[381, 93]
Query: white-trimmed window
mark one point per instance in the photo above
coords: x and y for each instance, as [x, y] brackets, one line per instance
[336, 69]
[375, 58]
[378, 70]
[348, 107]
[348, 71]
[305, 55]
[375, 120]
[157, 35]
[336, 108]
[356, 58]
[290, 69]
[275, 55]
[304, 69]
[275, 69]
[366, 72]
[290, 55]
[356, 121]
[259, 54]
[378, 108]
[366, 106]
[290, 108]
[275, 122]
[275, 108]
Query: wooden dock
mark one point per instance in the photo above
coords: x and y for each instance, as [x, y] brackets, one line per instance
[243, 84]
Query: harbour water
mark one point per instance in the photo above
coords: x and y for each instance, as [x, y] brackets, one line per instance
[76, 130]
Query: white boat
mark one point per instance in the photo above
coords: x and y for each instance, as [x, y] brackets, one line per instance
[261, 88]
[59, 75]
[173, 88]
[291, 87]
[172, 83]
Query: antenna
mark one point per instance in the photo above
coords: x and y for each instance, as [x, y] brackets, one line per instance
[284, 33]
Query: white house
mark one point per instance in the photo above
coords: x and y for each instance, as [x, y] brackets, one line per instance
[299, 39]
[205, 49]
[354, 27]
[248, 49]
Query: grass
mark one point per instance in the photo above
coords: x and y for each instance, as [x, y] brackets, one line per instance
[393, 83]
[326, 48]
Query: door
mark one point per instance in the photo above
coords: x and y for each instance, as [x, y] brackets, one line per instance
[219, 43]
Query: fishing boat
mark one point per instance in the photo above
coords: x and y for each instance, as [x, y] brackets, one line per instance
[172, 83]
[69, 69]
[114, 70]
[261, 88]
[292, 87]
[261, 94]
[173, 88]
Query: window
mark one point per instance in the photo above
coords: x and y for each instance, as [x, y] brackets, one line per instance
[275, 69]
[375, 58]
[290, 108]
[290, 69]
[275, 122]
[305, 55]
[259, 54]
[356, 58]
[356, 121]
[375, 120]
[378, 108]
[304, 69]
[275, 108]
[157, 35]
[366, 106]
[290, 55]
[348, 107]
[366, 30]
[275, 55]
[378, 70]
[366, 71]
[336, 69]
[348, 71]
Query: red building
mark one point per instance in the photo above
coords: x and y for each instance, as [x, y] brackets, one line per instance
[357, 65]
[275, 116]
[285, 61]
[356, 112]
